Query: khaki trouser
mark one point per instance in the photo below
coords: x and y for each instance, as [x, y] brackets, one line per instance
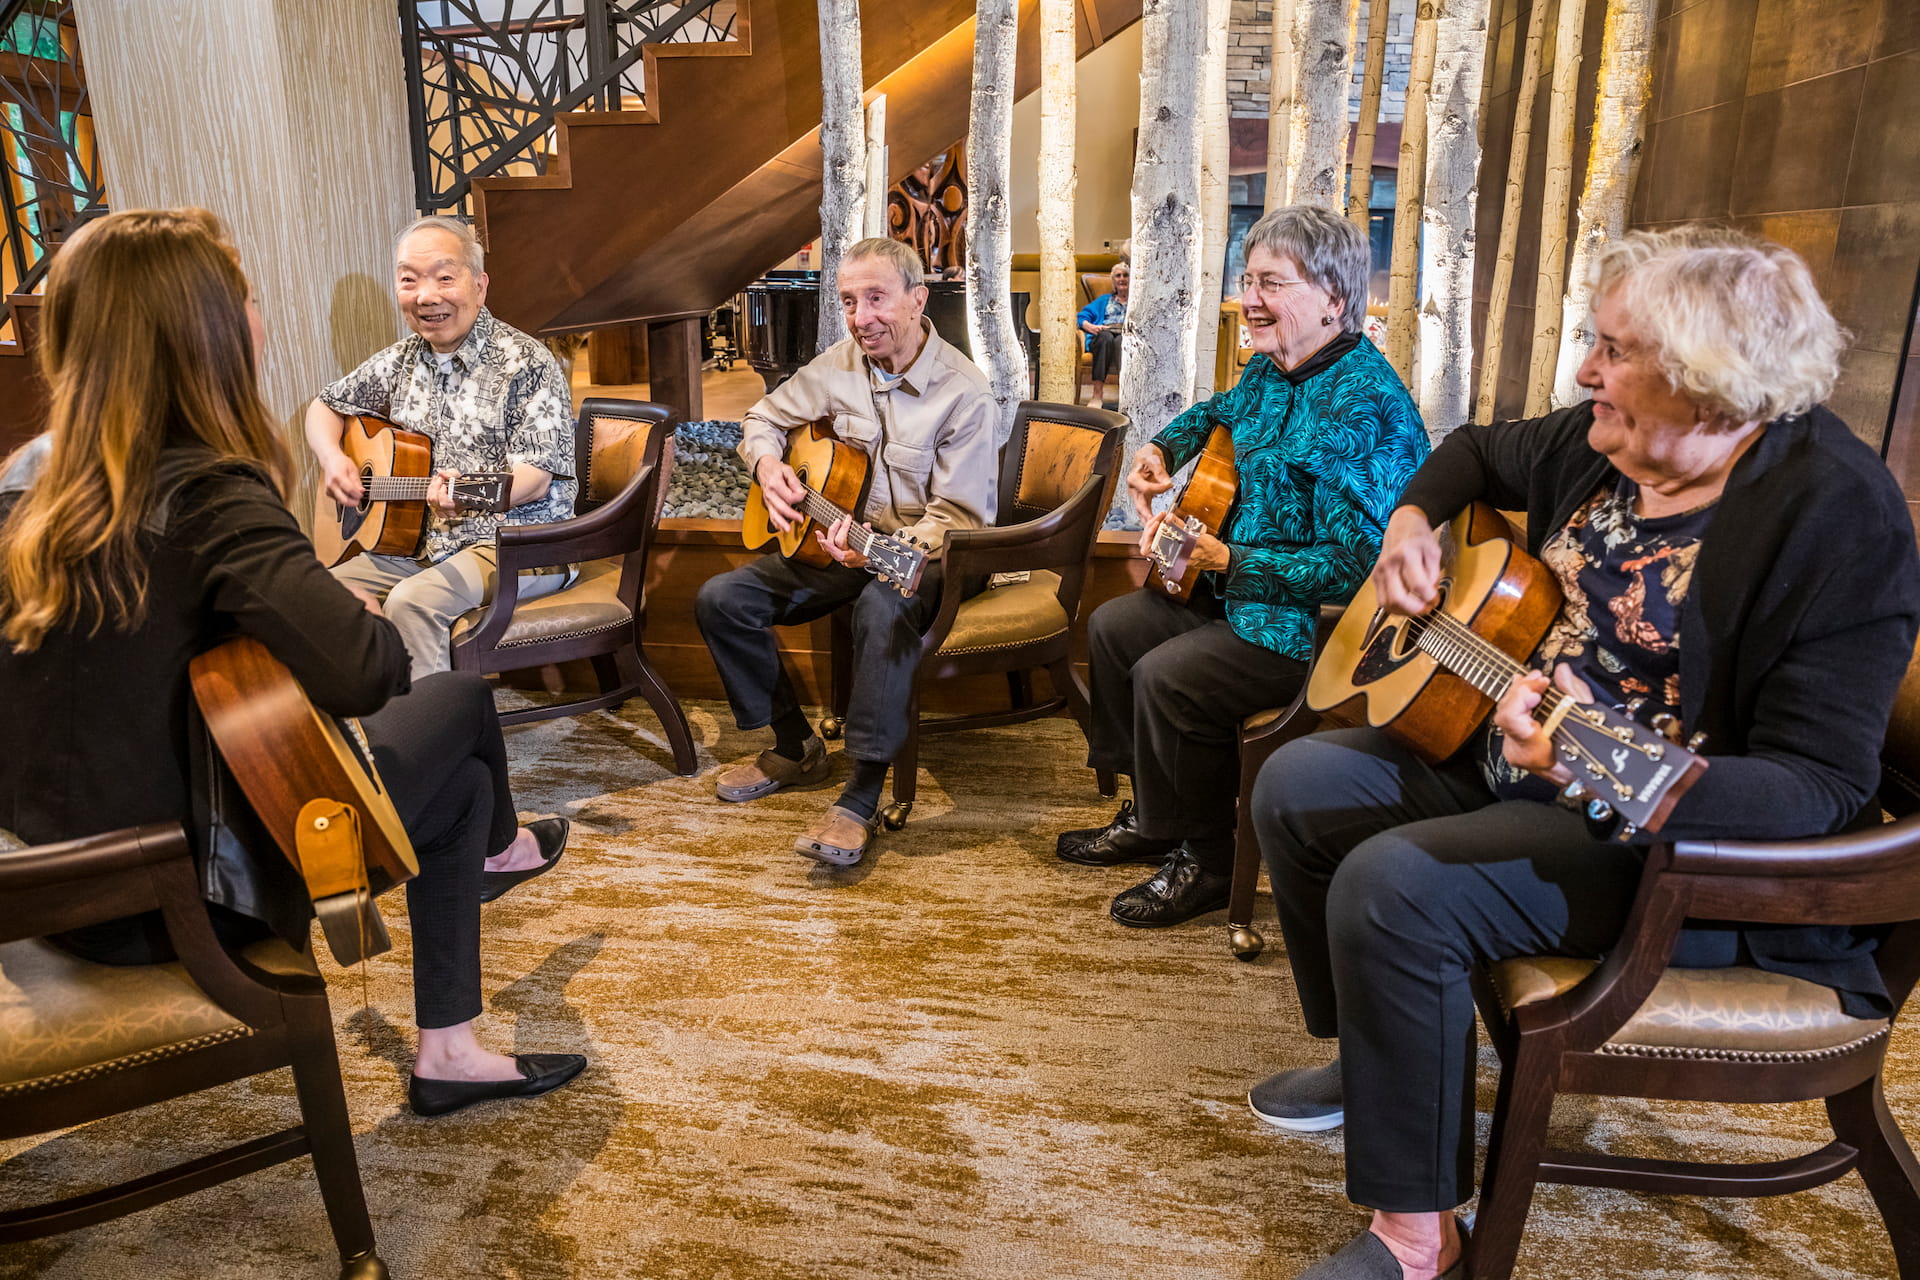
[423, 600]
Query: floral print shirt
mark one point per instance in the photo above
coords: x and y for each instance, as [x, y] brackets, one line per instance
[1623, 578]
[496, 402]
[1321, 454]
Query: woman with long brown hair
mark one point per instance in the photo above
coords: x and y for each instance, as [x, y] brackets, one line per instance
[150, 522]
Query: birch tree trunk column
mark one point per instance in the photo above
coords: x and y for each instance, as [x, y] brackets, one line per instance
[1318, 141]
[1360, 183]
[1280, 76]
[1502, 288]
[1409, 204]
[992, 327]
[843, 153]
[1619, 122]
[1156, 372]
[1059, 337]
[1452, 191]
[1215, 154]
[1554, 205]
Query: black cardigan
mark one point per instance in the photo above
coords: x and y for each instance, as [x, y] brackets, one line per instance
[1794, 636]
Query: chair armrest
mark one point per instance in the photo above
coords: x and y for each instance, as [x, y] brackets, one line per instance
[1048, 542]
[1860, 877]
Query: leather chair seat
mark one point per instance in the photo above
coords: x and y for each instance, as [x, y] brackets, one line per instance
[1739, 1013]
[591, 604]
[1015, 614]
[63, 1018]
[1261, 719]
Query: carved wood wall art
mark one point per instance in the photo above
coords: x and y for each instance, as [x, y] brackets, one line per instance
[928, 210]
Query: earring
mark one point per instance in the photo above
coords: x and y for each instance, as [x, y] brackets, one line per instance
[1325, 321]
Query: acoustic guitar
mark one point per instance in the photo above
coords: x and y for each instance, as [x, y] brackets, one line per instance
[837, 477]
[1430, 681]
[311, 781]
[1201, 508]
[396, 466]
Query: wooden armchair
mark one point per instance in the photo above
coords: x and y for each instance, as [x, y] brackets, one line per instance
[80, 1041]
[627, 457]
[1057, 474]
[1633, 1027]
[1262, 734]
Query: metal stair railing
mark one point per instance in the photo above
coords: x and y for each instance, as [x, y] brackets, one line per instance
[486, 78]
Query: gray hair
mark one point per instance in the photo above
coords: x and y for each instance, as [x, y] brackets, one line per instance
[457, 228]
[903, 257]
[1735, 322]
[1329, 250]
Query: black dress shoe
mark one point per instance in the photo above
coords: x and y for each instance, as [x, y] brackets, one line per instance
[1109, 846]
[1180, 890]
[539, 1073]
[551, 835]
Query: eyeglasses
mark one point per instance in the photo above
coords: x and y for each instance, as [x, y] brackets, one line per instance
[1265, 285]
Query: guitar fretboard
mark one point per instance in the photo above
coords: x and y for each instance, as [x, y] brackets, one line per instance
[827, 513]
[397, 488]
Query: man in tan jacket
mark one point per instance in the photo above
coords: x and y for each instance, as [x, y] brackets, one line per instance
[895, 389]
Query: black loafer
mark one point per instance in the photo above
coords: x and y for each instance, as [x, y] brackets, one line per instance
[539, 1073]
[1180, 890]
[551, 835]
[1118, 842]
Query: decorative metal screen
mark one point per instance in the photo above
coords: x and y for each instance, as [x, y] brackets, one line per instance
[46, 137]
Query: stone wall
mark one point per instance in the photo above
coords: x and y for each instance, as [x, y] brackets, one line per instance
[1248, 56]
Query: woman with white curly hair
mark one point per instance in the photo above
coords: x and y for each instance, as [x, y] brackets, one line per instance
[1729, 552]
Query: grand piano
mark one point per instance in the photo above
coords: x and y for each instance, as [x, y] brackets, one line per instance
[783, 321]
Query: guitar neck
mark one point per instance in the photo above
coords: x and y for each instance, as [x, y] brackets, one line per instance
[828, 513]
[397, 488]
[1454, 646]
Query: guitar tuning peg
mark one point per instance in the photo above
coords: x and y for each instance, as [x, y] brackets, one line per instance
[1627, 832]
[1574, 793]
[1665, 724]
[1634, 706]
[1697, 741]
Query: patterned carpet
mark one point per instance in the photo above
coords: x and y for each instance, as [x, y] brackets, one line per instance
[945, 1063]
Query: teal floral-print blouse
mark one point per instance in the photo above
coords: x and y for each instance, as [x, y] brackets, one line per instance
[1322, 453]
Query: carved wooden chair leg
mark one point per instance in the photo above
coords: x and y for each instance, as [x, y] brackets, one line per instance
[1242, 937]
[1861, 1119]
[323, 1110]
[840, 677]
[673, 717]
[1020, 690]
[906, 772]
[1514, 1151]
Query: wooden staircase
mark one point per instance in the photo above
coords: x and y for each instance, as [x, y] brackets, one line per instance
[661, 215]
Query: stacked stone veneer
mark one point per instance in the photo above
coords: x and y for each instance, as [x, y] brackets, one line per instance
[1249, 54]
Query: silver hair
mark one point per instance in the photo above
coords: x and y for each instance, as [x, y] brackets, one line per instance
[1735, 322]
[1329, 250]
[458, 228]
[903, 257]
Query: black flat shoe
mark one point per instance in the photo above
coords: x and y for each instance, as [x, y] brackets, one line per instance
[551, 835]
[1109, 846]
[1180, 890]
[539, 1073]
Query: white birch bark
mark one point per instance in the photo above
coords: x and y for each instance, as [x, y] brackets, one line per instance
[992, 327]
[1452, 191]
[1409, 199]
[1501, 290]
[1318, 141]
[1156, 374]
[1373, 73]
[875, 222]
[1619, 122]
[1058, 180]
[1555, 202]
[843, 154]
[1215, 154]
[1281, 62]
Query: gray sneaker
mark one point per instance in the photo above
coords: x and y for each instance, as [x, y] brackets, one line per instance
[1303, 1100]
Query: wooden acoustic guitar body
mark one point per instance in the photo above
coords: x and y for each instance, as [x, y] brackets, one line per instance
[312, 783]
[1372, 673]
[833, 468]
[377, 448]
[1204, 502]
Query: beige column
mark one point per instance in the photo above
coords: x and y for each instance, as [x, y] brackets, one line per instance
[288, 119]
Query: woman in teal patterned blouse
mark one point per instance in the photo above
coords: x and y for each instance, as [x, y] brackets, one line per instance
[1325, 437]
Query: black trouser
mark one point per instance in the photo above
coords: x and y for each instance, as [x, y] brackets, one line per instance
[1171, 683]
[1105, 348]
[441, 756]
[738, 610]
[1393, 878]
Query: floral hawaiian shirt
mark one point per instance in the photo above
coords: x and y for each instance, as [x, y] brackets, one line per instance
[496, 402]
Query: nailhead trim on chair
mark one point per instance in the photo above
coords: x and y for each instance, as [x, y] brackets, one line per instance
[1740, 1055]
[141, 1059]
[1021, 643]
[563, 635]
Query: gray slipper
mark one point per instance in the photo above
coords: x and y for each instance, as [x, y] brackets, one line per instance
[1366, 1257]
[1303, 1100]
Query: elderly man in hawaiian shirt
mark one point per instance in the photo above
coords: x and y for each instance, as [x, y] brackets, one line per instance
[490, 398]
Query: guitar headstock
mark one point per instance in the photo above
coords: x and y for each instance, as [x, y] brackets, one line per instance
[1634, 770]
[482, 492]
[897, 561]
